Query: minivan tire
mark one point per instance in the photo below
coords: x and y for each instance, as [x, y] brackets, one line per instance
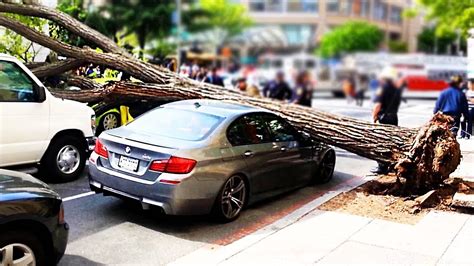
[50, 162]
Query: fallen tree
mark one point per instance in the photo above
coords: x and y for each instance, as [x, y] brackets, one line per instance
[422, 158]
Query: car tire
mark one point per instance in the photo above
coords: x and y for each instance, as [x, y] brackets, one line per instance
[325, 170]
[107, 122]
[64, 160]
[24, 244]
[232, 198]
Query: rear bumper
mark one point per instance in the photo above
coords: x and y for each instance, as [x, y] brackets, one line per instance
[60, 237]
[172, 199]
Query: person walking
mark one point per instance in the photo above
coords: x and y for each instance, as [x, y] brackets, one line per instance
[278, 88]
[386, 103]
[453, 102]
[470, 99]
[303, 93]
[214, 78]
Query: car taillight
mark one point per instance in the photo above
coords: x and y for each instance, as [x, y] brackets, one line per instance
[174, 165]
[61, 215]
[100, 149]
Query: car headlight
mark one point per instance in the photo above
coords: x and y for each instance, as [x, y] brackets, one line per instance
[93, 124]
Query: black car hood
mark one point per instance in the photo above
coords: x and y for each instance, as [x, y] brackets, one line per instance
[16, 185]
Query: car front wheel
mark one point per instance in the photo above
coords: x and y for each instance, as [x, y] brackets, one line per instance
[231, 199]
[22, 248]
[65, 159]
[325, 169]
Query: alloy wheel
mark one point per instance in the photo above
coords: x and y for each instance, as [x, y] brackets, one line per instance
[68, 159]
[110, 121]
[327, 166]
[233, 197]
[17, 254]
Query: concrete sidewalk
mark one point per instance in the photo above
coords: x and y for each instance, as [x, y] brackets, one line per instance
[310, 236]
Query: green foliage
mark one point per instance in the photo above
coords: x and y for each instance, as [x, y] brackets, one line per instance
[74, 8]
[397, 46]
[350, 37]
[450, 15]
[13, 44]
[226, 16]
[429, 41]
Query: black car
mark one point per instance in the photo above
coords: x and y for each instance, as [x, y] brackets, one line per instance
[32, 226]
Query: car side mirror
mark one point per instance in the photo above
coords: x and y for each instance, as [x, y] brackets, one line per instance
[40, 93]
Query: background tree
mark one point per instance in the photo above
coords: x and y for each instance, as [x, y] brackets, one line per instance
[450, 15]
[350, 37]
[14, 44]
[430, 42]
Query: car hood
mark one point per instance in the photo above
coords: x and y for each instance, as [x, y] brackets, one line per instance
[155, 140]
[16, 185]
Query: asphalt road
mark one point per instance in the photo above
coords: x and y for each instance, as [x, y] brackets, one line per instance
[106, 230]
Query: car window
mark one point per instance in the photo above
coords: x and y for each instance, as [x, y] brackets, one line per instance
[280, 129]
[15, 85]
[176, 123]
[247, 130]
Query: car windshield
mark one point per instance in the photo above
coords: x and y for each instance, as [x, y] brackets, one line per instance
[176, 123]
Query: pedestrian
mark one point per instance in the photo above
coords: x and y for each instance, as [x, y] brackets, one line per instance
[214, 78]
[303, 93]
[470, 99]
[387, 101]
[373, 86]
[349, 89]
[453, 102]
[278, 89]
[363, 87]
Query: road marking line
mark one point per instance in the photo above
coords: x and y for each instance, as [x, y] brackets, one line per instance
[79, 196]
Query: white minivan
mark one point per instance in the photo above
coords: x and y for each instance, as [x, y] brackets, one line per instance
[38, 128]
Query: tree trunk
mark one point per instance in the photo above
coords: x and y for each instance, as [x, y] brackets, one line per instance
[424, 157]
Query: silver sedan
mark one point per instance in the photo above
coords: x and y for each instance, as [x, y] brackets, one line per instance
[206, 157]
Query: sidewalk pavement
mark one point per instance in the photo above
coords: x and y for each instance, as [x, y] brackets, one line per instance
[311, 236]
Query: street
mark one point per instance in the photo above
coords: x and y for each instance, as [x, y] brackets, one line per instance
[107, 230]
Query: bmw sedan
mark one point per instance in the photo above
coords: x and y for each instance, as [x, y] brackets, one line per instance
[206, 157]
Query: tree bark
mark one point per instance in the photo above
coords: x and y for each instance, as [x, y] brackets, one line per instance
[423, 157]
[56, 68]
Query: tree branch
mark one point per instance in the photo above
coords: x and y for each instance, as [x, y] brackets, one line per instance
[66, 21]
[57, 68]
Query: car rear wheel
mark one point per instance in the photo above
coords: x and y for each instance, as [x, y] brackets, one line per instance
[108, 121]
[22, 248]
[231, 200]
[325, 170]
[65, 159]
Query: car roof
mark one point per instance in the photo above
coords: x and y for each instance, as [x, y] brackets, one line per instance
[214, 107]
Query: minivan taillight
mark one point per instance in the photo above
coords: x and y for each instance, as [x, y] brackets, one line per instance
[174, 165]
[100, 149]
[61, 214]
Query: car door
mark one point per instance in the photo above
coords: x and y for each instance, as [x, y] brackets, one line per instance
[251, 140]
[24, 121]
[295, 159]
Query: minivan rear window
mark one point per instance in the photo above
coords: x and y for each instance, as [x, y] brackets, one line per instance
[176, 123]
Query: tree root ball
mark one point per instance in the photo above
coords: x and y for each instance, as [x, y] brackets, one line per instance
[433, 156]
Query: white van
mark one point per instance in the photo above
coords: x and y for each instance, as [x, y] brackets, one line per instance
[38, 128]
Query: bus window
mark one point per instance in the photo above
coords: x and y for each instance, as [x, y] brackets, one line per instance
[277, 63]
[310, 64]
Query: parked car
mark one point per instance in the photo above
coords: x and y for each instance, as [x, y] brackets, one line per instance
[199, 157]
[110, 115]
[38, 128]
[32, 226]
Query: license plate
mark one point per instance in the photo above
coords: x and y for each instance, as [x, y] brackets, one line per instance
[127, 163]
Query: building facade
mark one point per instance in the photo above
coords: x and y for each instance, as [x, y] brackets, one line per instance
[303, 22]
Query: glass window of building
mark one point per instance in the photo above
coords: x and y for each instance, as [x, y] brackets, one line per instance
[299, 34]
[274, 6]
[364, 8]
[305, 6]
[396, 15]
[257, 5]
[332, 6]
[380, 10]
